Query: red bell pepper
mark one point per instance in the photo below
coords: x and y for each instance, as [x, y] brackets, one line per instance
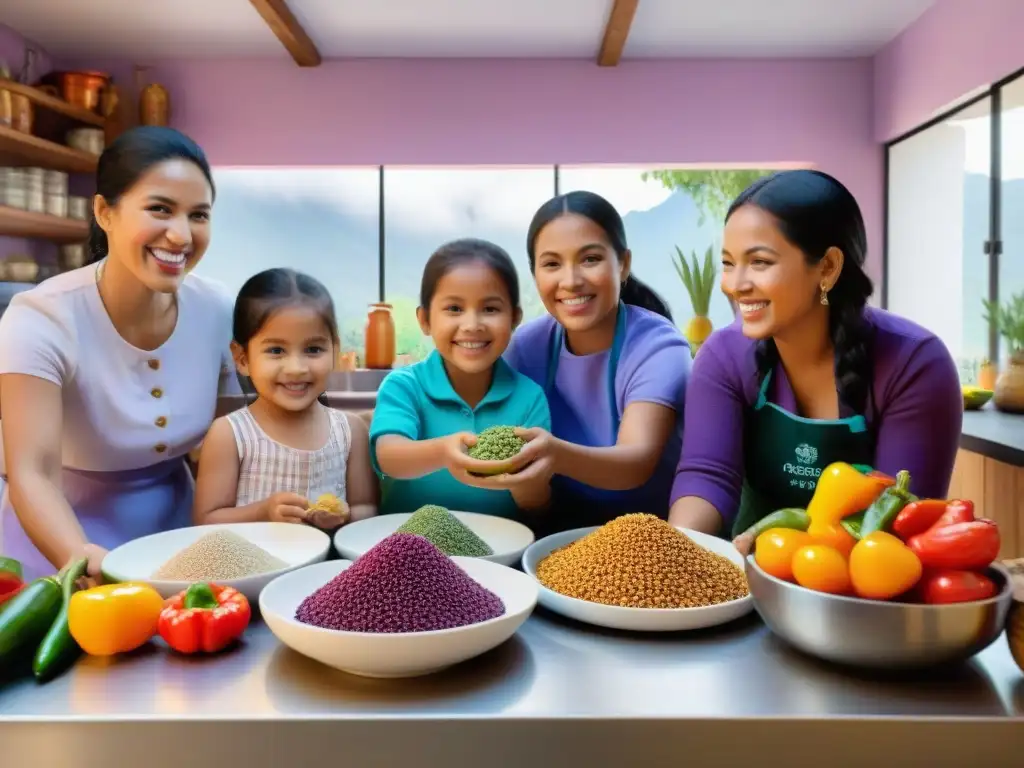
[919, 516]
[204, 618]
[8, 595]
[970, 546]
[957, 511]
[948, 586]
[10, 575]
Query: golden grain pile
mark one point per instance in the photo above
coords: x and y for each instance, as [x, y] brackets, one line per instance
[640, 561]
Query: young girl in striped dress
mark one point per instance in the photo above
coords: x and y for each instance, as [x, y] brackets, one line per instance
[274, 459]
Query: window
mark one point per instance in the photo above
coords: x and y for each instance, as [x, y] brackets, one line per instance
[321, 221]
[1011, 260]
[938, 223]
[325, 222]
[426, 207]
[690, 215]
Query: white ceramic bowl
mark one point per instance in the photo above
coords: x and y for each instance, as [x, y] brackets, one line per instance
[637, 619]
[507, 538]
[137, 560]
[399, 654]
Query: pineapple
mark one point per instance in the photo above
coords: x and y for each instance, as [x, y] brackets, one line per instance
[699, 283]
[987, 375]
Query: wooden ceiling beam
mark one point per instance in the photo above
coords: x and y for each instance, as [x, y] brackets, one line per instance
[289, 31]
[616, 31]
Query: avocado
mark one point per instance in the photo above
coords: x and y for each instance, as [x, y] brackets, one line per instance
[975, 397]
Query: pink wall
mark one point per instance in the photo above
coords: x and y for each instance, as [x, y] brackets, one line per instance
[443, 112]
[954, 48]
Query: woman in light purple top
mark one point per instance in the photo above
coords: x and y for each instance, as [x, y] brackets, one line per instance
[808, 374]
[110, 373]
[612, 363]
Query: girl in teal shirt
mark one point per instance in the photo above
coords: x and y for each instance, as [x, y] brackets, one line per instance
[428, 414]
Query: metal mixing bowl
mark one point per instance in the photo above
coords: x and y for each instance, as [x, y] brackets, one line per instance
[873, 633]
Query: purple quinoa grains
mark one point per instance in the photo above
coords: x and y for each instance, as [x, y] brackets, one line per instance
[403, 584]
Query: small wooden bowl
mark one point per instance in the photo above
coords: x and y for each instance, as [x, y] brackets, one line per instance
[1015, 617]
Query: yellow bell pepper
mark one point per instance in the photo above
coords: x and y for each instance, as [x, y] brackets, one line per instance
[844, 490]
[114, 618]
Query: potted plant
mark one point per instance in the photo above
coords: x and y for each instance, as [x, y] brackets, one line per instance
[699, 282]
[1008, 320]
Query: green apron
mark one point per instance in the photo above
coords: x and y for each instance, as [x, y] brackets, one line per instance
[784, 455]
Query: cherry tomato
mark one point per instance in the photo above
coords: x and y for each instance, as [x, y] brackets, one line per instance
[882, 566]
[822, 569]
[949, 586]
[774, 548]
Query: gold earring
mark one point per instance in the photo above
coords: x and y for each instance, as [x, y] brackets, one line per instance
[824, 295]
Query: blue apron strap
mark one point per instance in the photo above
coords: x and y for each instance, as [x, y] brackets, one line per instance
[554, 351]
[613, 365]
[856, 423]
[762, 393]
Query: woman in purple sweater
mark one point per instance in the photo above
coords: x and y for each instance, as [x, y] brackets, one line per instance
[808, 374]
[612, 363]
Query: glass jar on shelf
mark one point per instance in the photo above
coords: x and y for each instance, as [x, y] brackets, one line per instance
[380, 337]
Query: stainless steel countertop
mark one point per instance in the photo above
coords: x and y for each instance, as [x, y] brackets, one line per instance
[556, 683]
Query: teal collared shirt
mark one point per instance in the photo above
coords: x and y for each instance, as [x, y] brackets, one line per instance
[419, 403]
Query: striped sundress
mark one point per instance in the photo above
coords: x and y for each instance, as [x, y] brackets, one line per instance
[267, 467]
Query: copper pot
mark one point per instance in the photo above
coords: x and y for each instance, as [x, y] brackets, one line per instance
[83, 89]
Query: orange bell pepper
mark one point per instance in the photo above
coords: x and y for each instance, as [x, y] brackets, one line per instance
[114, 618]
[822, 569]
[843, 490]
[774, 549]
[883, 567]
[832, 535]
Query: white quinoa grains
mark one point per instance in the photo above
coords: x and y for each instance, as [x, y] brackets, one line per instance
[216, 556]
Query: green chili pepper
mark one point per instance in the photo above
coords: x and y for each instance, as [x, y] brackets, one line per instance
[881, 514]
[853, 523]
[789, 517]
[58, 649]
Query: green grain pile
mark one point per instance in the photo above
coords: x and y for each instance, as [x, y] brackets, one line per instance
[446, 532]
[496, 444]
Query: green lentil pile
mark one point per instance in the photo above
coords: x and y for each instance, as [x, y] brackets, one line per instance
[640, 561]
[446, 532]
[496, 444]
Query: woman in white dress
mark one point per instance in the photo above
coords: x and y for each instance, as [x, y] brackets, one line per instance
[109, 374]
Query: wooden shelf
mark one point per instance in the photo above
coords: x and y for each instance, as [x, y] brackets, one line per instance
[15, 222]
[52, 103]
[22, 149]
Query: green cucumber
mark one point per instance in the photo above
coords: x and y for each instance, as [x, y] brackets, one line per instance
[58, 649]
[27, 617]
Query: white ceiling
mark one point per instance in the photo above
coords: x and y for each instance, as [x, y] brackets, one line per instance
[464, 28]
